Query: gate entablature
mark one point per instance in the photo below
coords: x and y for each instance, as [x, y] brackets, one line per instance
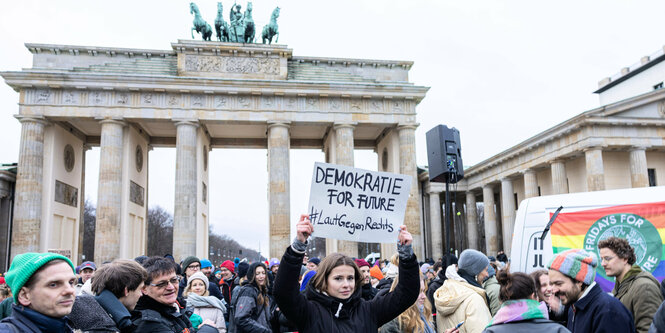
[197, 96]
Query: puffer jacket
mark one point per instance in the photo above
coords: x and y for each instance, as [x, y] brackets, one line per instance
[492, 288]
[318, 312]
[249, 316]
[458, 301]
[639, 292]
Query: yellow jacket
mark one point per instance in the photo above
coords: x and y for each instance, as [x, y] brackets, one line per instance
[459, 301]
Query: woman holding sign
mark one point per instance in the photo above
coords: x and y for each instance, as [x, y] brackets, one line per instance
[332, 300]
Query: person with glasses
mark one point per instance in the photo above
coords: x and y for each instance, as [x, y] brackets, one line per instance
[157, 310]
[190, 266]
[637, 289]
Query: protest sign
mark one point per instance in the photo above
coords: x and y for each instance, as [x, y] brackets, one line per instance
[357, 205]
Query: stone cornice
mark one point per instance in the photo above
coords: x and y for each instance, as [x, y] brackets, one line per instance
[49, 79]
[573, 125]
[56, 49]
[217, 48]
[355, 62]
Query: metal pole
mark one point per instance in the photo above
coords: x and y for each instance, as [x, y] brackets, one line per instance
[447, 217]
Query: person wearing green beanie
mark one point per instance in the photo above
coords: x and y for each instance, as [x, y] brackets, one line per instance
[43, 286]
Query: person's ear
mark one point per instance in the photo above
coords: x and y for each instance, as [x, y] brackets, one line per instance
[24, 297]
[126, 293]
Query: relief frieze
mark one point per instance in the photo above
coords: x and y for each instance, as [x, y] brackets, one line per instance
[241, 65]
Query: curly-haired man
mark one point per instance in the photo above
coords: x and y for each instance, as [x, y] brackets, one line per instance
[637, 289]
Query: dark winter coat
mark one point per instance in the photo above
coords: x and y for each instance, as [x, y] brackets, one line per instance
[383, 287]
[318, 312]
[6, 307]
[658, 324]
[599, 312]
[227, 286]
[369, 292]
[248, 315]
[152, 316]
[101, 313]
[88, 316]
[28, 321]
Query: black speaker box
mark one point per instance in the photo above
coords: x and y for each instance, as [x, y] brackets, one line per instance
[444, 155]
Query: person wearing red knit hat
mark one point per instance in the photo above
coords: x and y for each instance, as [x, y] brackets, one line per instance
[368, 292]
[226, 284]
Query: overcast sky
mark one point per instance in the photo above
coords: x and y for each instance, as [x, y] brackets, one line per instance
[499, 71]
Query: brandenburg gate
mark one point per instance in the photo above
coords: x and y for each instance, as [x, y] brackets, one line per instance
[195, 97]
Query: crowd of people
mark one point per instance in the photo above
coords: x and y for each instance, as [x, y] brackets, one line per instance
[45, 292]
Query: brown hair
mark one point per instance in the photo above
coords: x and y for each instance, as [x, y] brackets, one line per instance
[409, 320]
[320, 279]
[118, 275]
[535, 275]
[619, 246]
[515, 286]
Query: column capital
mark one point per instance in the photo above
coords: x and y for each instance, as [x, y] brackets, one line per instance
[528, 170]
[639, 147]
[471, 194]
[412, 126]
[488, 186]
[118, 121]
[506, 179]
[435, 188]
[279, 123]
[86, 147]
[32, 119]
[593, 148]
[556, 161]
[191, 122]
[351, 125]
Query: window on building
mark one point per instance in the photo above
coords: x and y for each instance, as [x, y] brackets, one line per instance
[658, 86]
[516, 203]
[652, 177]
[539, 191]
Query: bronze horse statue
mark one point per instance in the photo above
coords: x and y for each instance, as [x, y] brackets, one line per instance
[200, 25]
[271, 29]
[249, 24]
[221, 27]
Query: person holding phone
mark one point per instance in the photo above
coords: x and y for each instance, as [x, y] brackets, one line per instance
[332, 301]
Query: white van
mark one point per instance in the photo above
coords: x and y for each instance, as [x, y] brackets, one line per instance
[637, 214]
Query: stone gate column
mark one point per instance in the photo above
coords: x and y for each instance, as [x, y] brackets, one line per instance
[344, 156]
[639, 176]
[184, 215]
[507, 212]
[559, 182]
[278, 187]
[491, 240]
[28, 204]
[109, 195]
[471, 220]
[595, 172]
[436, 233]
[407, 166]
[530, 184]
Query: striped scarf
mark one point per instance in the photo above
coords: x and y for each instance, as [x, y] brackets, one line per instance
[519, 310]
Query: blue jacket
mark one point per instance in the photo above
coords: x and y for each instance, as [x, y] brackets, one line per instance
[599, 312]
[27, 321]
